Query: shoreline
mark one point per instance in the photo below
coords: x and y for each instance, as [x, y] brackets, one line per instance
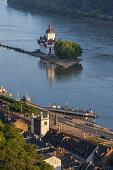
[85, 19]
[68, 130]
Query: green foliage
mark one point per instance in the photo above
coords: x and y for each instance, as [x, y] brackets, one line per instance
[67, 49]
[45, 166]
[6, 107]
[74, 8]
[96, 140]
[18, 106]
[94, 13]
[8, 99]
[15, 153]
[1, 126]
[111, 145]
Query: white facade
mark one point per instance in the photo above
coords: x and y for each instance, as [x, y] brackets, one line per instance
[50, 36]
[40, 125]
[44, 125]
[55, 162]
[46, 42]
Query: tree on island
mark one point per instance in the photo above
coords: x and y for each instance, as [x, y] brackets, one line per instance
[16, 154]
[67, 49]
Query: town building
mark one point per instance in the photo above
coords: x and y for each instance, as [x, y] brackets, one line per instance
[20, 124]
[82, 150]
[47, 42]
[40, 124]
[3, 91]
[53, 161]
[103, 156]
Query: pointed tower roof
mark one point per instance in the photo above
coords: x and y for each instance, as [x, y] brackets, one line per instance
[50, 30]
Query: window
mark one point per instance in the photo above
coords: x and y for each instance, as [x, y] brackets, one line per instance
[45, 123]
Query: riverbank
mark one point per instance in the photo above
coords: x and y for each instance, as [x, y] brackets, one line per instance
[65, 126]
[66, 13]
[65, 123]
[65, 63]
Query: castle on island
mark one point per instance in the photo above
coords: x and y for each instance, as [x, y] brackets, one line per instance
[47, 42]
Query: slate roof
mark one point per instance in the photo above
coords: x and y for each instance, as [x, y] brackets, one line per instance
[82, 148]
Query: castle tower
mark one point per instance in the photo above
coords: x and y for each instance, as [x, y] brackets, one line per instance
[32, 123]
[40, 125]
[44, 126]
[50, 34]
[47, 42]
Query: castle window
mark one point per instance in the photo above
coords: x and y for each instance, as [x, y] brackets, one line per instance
[45, 123]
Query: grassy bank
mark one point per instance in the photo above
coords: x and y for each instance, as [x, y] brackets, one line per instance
[96, 140]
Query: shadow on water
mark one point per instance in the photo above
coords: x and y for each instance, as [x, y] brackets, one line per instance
[63, 73]
[59, 72]
[104, 57]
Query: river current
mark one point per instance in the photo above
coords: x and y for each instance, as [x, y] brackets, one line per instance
[91, 86]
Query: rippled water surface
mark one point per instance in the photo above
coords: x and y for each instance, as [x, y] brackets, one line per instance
[90, 86]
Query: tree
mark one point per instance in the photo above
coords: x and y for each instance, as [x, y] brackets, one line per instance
[94, 13]
[73, 8]
[15, 153]
[45, 166]
[67, 49]
[15, 106]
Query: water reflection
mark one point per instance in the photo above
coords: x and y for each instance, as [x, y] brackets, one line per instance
[63, 73]
[59, 72]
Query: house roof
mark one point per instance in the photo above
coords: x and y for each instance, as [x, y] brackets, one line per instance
[103, 150]
[82, 148]
[20, 124]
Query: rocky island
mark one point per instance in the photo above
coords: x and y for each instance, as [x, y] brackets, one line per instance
[53, 50]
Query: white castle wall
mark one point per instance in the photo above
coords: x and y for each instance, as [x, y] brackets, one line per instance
[44, 125]
[45, 50]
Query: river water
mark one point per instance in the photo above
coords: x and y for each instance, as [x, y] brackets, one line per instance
[91, 86]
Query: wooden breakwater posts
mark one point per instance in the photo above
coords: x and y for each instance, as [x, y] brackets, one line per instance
[65, 63]
[20, 50]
